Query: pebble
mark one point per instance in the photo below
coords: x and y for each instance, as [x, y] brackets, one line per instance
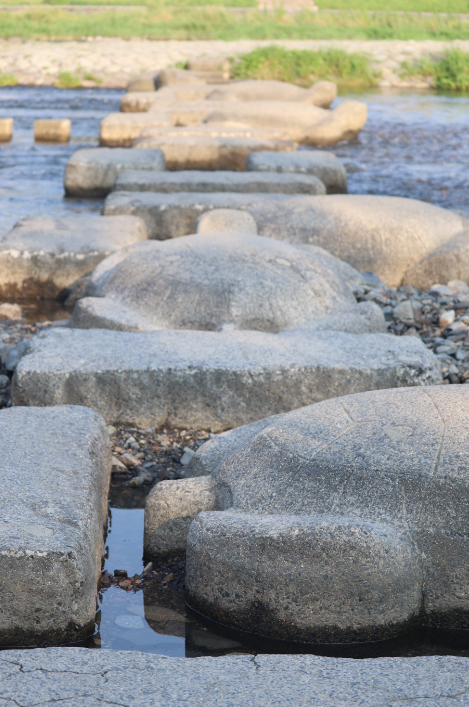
[446, 318]
[10, 311]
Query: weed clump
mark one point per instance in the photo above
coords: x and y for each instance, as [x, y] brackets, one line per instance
[8, 80]
[304, 67]
[450, 73]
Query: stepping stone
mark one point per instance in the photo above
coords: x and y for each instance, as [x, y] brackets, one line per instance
[224, 181]
[219, 380]
[449, 262]
[321, 93]
[52, 130]
[211, 153]
[42, 256]
[350, 508]
[381, 234]
[110, 676]
[93, 172]
[323, 165]
[56, 467]
[6, 129]
[213, 282]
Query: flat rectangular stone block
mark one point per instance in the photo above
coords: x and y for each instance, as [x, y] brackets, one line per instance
[41, 256]
[56, 465]
[200, 379]
[222, 181]
[52, 130]
[6, 129]
[93, 172]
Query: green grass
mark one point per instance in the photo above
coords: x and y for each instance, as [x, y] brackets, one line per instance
[8, 80]
[68, 80]
[451, 73]
[305, 67]
[396, 5]
[177, 20]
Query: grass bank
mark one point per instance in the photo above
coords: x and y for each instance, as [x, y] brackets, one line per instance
[305, 67]
[180, 20]
[450, 73]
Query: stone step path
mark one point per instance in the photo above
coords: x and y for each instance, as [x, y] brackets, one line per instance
[56, 466]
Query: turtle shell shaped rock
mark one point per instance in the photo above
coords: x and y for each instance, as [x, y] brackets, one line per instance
[341, 521]
[213, 282]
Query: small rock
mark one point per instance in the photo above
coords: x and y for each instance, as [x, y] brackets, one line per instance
[187, 456]
[440, 290]
[129, 460]
[458, 286]
[404, 311]
[120, 573]
[373, 281]
[111, 430]
[148, 568]
[129, 441]
[461, 354]
[118, 467]
[137, 481]
[4, 382]
[446, 318]
[169, 577]
[453, 369]
[10, 311]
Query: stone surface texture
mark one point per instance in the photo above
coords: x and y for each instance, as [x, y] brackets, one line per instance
[449, 262]
[226, 220]
[165, 533]
[56, 466]
[320, 94]
[382, 234]
[322, 164]
[219, 380]
[224, 181]
[78, 677]
[92, 172]
[42, 256]
[341, 521]
[212, 282]
[52, 130]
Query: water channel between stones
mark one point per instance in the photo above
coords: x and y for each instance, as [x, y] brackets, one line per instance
[413, 145]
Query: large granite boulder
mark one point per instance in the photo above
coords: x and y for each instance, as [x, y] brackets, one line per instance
[212, 282]
[382, 234]
[56, 469]
[448, 262]
[322, 164]
[41, 257]
[93, 172]
[342, 521]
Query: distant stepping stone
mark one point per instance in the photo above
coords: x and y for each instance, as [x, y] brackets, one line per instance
[40, 257]
[219, 181]
[56, 466]
[320, 163]
[381, 234]
[93, 172]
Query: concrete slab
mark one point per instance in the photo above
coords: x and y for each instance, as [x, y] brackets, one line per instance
[93, 172]
[42, 256]
[80, 677]
[219, 181]
[322, 164]
[56, 466]
[200, 379]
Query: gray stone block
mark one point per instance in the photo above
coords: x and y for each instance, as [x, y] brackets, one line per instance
[343, 521]
[219, 181]
[197, 379]
[92, 172]
[79, 677]
[56, 466]
[382, 234]
[42, 256]
[322, 164]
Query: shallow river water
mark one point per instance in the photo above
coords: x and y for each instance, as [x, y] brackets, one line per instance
[414, 145]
